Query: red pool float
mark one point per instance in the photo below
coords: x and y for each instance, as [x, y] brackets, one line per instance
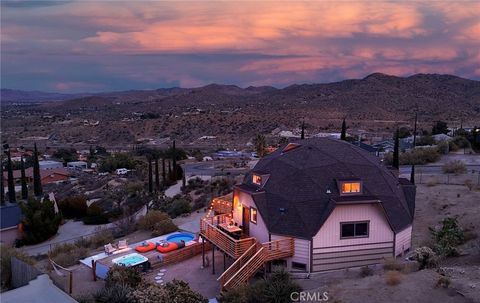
[144, 248]
[164, 248]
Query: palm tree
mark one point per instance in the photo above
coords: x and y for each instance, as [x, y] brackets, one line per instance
[260, 145]
[24, 180]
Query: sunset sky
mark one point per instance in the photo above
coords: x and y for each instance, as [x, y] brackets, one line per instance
[92, 46]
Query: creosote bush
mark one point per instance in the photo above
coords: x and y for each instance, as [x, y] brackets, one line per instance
[454, 167]
[448, 237]
[366, 271]
[426, 257]
[123, 275]
[392, 264]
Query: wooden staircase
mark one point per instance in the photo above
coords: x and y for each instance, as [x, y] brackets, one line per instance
[253, 259]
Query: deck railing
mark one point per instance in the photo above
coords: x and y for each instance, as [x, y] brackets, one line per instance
[235, 267]
[279, 249]
[253, 259]
[233, 247]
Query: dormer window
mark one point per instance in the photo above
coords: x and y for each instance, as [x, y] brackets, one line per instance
[350, 187]
[257, 179]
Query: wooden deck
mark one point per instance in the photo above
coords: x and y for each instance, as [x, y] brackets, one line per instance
[248, 253]
[158, 259]
[232, 247]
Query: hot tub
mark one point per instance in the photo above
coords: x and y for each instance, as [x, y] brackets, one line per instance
[130, 260]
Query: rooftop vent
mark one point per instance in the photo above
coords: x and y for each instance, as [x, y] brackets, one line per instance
[290, 146]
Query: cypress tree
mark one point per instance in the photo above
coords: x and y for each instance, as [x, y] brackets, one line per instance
[157, 177]
[396, 147]
[11, 184]
[150, 175]
[37, 181]
[164, 173]
[170, 176]
[2, 189]
[302, 136]
[24, 180]
[174, 155]
[343, 135]
[415, 132]
[412, 175]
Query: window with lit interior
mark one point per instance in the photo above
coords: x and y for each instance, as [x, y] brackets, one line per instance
[253, 215]
[257, 179]
[354, 230]
[351, 187]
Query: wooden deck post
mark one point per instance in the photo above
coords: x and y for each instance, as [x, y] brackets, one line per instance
[70, 286]
[213, 260]
[93, 270]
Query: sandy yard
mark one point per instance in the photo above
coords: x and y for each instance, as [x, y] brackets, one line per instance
[433, 204]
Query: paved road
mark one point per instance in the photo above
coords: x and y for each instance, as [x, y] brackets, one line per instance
[211, 168]
[434, 169]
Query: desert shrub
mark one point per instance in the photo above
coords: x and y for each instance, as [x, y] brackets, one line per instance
[148, 293]
[178, 207]
[393, 277]
[67, 254]
[419, 156]
[366, 271]
[431, 182]
[200, 202]
[101, 238]
[73, 207]
[122, 275]
[469, 184]
[175, 291]
[117, 293]
[180, 291]
[276, 288]
[163, 227]
[95, 215]
[443, 281]
[454, 167]
[460, 142]
[6, 253]
[447, 237]
[279, 286]
[40, 222]
[392, 264]
[426, 257]
[152, 217]
[444, 147]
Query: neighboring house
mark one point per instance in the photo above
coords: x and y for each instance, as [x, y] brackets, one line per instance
[47, 175]
[11, 215]
[77, 165]
[368, 148]
[49, 164]
[337, 205]
[385, 146]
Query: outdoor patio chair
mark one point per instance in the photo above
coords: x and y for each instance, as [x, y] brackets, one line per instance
[122, 244]
[109, 249]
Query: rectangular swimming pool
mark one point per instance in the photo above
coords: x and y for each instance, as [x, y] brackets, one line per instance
[133, 259]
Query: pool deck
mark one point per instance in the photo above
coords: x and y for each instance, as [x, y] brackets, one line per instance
[131, 248]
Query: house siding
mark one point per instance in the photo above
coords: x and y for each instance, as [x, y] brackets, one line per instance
[302, 251]
[259, 230]
[403, 240]
[330, 252]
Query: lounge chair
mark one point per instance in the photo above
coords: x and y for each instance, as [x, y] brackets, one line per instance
[109, 249]
[122, 244]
